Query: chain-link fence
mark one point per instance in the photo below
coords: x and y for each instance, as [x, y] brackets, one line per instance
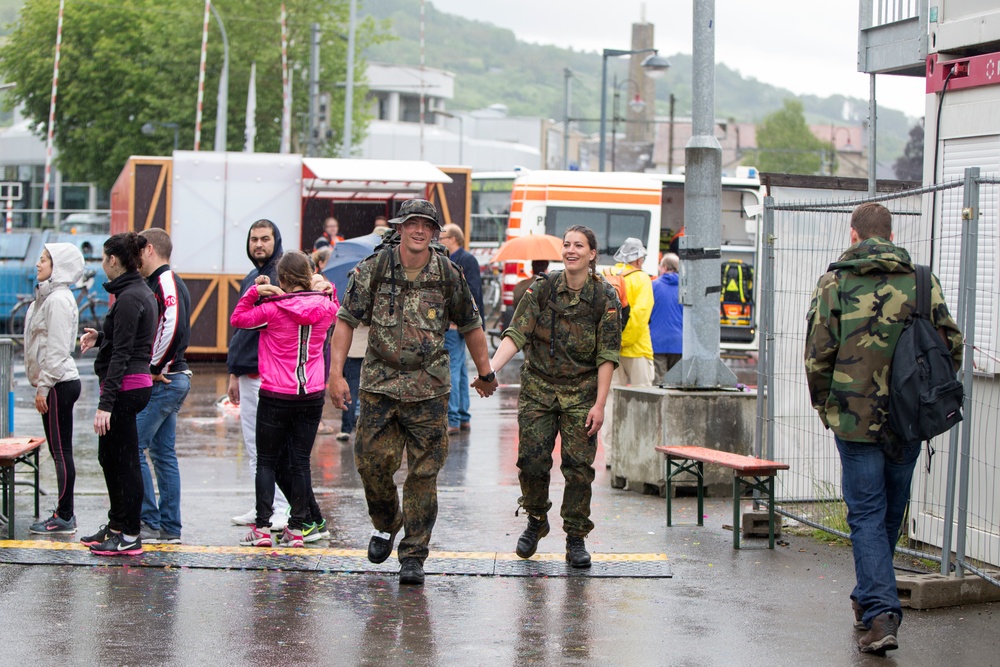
[953, 227]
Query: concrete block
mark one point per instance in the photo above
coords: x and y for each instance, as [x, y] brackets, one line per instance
[647, 417]
[930, 591]
[755, 524]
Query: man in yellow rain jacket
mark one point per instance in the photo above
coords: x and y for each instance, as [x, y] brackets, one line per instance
[635, 367]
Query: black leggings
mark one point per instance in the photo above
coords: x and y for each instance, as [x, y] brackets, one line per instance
[118, 453]
[286, 431]
[58, 425]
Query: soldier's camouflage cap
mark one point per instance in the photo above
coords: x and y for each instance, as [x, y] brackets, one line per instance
[416, 208]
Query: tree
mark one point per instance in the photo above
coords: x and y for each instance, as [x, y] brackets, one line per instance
[125, 64]
[910, 166]
[785, 144]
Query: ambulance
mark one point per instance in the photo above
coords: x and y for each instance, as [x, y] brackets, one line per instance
[615, 205]
[650, 207]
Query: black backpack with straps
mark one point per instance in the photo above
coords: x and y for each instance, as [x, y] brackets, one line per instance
[925, 398]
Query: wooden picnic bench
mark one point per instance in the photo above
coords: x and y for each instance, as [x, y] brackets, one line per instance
[13, 451]
[748, 471]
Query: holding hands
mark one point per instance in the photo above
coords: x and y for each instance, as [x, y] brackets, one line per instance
[483, 388]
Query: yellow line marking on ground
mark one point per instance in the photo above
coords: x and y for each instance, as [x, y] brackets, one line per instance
[320, 551]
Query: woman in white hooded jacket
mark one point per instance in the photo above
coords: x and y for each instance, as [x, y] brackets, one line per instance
[49, 339]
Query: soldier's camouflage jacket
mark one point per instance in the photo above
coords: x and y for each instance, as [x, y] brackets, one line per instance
[857, 314]
[584, 338]
[406, 359]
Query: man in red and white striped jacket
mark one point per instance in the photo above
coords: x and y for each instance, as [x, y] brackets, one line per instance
[157, 423]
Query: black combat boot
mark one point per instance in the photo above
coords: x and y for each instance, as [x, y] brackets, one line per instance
[538, 527]
[576, 552]
[411, 572]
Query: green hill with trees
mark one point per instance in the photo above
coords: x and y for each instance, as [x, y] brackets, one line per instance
[492, 66]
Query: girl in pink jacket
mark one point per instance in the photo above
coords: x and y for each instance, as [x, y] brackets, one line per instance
[293, 321]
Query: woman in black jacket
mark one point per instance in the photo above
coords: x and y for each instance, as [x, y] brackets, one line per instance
[122, 367]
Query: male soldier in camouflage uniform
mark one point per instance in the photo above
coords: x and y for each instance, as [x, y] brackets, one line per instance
[574, 333]
[857, 315]
[408, 299]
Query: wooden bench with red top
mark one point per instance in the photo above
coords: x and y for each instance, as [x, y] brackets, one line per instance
[748, 471]
[13, 451]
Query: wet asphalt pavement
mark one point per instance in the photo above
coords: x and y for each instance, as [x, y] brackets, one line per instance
[720, 607]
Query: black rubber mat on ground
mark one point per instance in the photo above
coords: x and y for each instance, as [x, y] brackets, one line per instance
[484, 564]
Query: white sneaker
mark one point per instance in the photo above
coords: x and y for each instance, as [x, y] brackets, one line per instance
[248, 519]
[280, 519]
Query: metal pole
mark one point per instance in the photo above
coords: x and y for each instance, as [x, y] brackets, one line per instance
[50, 132]
[970, 214]
[966, 285]
[614, 120]
[567, 76]
[6, 387]
[423, 81]
[201, 77]
[222, 100]
[872, 134]
[312, 140]
[764, 388]
[461, 139]
[347, 145]
[604, 111]
[670, 140]
[700, 248]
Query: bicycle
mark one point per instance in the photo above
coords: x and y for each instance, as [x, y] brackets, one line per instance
[88, 305]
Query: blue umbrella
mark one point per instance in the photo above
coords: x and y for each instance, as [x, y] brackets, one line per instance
[345, 257]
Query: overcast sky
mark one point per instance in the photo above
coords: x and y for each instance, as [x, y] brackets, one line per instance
[806, 46]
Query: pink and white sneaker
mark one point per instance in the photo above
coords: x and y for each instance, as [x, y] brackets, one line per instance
[256, 538]
[291, 538]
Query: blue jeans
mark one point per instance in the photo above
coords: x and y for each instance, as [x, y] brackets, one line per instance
[458, 400]
[157, 425]
[352, 373]
[876, 490]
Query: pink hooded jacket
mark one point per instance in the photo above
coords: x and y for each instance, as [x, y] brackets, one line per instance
[293, 329]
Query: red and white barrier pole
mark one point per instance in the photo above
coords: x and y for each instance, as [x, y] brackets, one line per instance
[201, 75]
[10, 216]
[286, 90]
[52, 120]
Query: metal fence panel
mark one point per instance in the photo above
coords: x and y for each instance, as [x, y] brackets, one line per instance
[808, 236]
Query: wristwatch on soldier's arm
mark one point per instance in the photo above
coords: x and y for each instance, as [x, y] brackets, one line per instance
[489, 377]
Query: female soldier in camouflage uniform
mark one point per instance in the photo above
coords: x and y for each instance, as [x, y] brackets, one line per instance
[569, 322]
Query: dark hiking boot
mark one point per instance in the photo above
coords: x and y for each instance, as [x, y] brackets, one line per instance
[882, 635]
[527, 544]
[576, 552]
[859, 614]
[411, 572]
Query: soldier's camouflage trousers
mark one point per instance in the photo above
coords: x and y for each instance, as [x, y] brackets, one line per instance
[387, 428]
[540, 415]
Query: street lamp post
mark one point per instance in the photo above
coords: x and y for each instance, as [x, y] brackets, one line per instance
[654, 65]
[461, 131]
[637, 105]
[567, 76]
[149, 129]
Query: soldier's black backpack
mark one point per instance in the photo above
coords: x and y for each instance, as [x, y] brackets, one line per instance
[925, 398]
